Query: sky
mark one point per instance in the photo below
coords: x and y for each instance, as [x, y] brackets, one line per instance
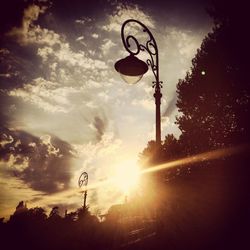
[63, 107]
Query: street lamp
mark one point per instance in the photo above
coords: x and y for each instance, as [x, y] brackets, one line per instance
[83, 182]
[132, 69]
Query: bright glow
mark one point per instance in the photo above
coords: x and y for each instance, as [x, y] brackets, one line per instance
[127, 176]
[131, 79]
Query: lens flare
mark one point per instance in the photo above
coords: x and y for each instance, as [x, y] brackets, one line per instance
[211, 155]
[127, 174]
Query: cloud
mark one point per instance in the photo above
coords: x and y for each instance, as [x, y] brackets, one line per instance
[107, 45]
[95, 35]
[16, 67]
[79, 38]
[6, 139]
[30, 14]
[47, 95]
[42, 163]
[123, 12]
[83, 20]
[100, 125]
[186, 41]
[12, 191]
[147, 104]
[171, 106]
[95, 160]
[95, 157]
[53, 47]
[60, 51]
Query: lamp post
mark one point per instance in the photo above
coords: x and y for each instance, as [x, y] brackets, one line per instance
[132, 69]
[83, 182]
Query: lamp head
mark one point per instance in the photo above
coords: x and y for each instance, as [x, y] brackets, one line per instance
[131, 69]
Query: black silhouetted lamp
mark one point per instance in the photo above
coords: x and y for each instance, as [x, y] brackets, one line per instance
[131, 69]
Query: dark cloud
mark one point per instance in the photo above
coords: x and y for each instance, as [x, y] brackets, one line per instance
[61, 16]
[43, 163]
[18, 65]
[11, 13]
[100, 126]
[69, 10]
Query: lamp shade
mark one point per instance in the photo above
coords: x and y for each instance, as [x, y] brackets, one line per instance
[131, 69]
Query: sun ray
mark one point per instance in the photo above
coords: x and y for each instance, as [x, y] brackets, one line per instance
[211, 155]
[128, 173]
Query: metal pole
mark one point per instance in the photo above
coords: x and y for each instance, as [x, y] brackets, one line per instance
[157, 96]
[85, 199]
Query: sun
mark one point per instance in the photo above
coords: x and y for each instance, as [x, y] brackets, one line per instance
[127, 176]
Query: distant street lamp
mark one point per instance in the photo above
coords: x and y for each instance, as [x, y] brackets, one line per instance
[83, 182]
[132, 69]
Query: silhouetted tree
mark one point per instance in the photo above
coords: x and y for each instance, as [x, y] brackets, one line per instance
[149, 155]
[20, 214]
[71, 217]
[54, 213]
[214, 97]
[37, 214]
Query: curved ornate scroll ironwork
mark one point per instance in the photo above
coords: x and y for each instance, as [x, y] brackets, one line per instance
[150, 46]
[83, 179]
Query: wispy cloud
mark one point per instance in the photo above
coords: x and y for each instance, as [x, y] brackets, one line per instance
[25, 33]
[107, 45]
[47, 95]
[123, 12]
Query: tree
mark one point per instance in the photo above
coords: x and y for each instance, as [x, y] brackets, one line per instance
[214, 98]
[54, 213]
[171, 148]
[37, 214]
[149, 155]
